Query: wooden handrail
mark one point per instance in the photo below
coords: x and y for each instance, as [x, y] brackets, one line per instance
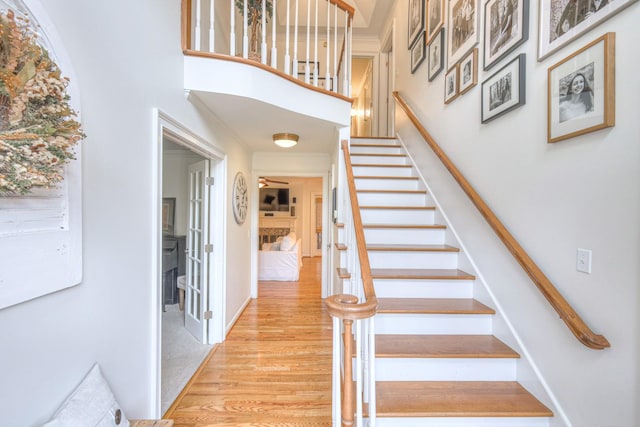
[573, 321]
[341, 305]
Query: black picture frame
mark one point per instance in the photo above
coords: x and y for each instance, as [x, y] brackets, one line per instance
[506, 26]
[415, 21]
[505, 90]
[168, 215]
[418, 52]
[435, 52]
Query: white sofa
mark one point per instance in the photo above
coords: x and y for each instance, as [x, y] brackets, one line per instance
[280, 265]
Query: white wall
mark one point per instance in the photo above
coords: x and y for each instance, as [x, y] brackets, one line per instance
[127, 59]
[554, 198]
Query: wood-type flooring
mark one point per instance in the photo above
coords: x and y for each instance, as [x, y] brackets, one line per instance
[274, 369]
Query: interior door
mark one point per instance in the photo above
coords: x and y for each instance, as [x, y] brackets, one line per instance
[316, 224]
[196, 292]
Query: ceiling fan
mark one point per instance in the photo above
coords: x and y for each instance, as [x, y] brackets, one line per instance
[264, 182]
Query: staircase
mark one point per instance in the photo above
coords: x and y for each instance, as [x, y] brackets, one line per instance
[437, 362]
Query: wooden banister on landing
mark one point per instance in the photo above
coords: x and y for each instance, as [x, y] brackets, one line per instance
[573, 321]
[346, 307]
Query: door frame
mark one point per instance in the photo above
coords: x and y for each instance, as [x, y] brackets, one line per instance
[326, 224]
[163, 125]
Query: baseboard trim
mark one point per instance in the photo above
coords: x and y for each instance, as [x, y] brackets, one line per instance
[236, 317]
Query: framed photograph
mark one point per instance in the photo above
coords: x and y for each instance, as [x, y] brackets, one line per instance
[505, 90]
[581, 88]
[312, 66]
[462, 24]
[416, 20]
[168, 214]
[468, 70]
[436, 55]
[323, 84]
[506, 26]
[418, 53]
[561, 21]
[435, 18]
[451, 85]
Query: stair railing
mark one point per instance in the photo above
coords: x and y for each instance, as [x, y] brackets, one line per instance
[570, 317]
[245, 29]
[353, 309]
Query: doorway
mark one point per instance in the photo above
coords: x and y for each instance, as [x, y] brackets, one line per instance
[190, 285]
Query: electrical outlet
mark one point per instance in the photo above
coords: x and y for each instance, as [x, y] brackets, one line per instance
[583, 261]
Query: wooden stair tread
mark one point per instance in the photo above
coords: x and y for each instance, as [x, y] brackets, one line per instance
[393, 191]
[377, 155]
[408, 208]
[377, 145]
[410, 248]
[339, 225]
[379, 165]
[409, 178]
[443, 346]
[405, 226]
[343, 273]
[457, 399]
[341, 246]
[372, 137]
[420, 273]
[433, 306]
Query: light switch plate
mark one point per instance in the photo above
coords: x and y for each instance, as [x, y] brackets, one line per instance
[583, 261]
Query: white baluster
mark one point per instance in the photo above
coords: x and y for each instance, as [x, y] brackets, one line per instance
[345, 83]
[372, 372]
[358, 372]
[335, 48]
[327, 76]
[198, 24]
[212, 33]
[295, 45]
[232, 31]
[348, 58]
[263, 45]
[315, 50]
[245, 32]
[274, 50]
[287, 58]
[306, 65]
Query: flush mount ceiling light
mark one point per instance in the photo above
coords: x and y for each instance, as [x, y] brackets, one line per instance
[285, 140]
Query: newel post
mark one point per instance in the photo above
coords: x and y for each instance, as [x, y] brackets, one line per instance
[347, 395]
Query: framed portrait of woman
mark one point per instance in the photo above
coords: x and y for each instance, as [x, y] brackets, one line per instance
[581, 91]
[468, 70]
[506, 26]
[562, 21]
[462, 29]
[435, 52]
[451, 91]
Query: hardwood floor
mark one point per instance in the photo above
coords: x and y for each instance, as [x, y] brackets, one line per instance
[274, 369]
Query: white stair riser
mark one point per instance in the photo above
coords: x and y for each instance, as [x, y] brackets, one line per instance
[378, 141]
[392, 199]
[463, 422]
[387, 184]
[453, 369]
[410, 236]
[398, 216]
[383, 149]
[417, 288]
[406, 259]
[381, 171]
[378, 160]
[433, 324]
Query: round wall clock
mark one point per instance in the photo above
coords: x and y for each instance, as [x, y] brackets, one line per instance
[240, 198]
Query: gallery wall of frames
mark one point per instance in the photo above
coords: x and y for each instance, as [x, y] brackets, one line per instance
[455, 37]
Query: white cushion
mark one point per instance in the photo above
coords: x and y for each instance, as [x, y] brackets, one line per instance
[287, 243]
[91, 404]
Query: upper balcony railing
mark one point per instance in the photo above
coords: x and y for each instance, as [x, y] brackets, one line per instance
[309, 40]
